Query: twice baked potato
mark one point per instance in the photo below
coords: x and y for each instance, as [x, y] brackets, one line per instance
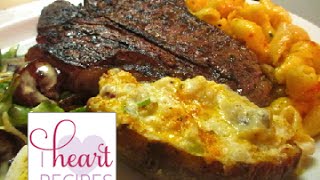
[198, 130]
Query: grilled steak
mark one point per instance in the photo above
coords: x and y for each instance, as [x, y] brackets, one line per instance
[151, 39]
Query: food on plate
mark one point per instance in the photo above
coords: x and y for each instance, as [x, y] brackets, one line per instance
[254, 23]
[83, 42]
[174, 129]
[266, 28]
[19, 167]
[162, 70]
[10, 146]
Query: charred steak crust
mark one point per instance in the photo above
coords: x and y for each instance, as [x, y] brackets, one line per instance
[169, 25]
[151, 39]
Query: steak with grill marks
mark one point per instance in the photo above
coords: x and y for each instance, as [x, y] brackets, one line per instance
[151, 39]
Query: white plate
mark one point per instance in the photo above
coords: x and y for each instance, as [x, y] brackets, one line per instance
[18, 26]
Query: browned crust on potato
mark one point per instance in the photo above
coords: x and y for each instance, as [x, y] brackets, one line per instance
[158, 160]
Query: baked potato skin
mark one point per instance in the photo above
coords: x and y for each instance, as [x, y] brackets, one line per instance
[158, 160]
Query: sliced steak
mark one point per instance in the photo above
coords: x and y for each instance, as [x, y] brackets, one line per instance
[151, 39]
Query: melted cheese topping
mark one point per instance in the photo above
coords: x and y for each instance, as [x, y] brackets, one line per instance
[198, 116]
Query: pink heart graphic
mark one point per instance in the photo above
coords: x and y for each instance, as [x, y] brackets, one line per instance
[88, 146]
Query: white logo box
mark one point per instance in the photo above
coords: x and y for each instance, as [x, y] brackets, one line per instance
[66, 146]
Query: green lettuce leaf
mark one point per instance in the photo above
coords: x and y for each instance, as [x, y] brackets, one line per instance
[12, 53]
[19, 114]
[80, 109]
[47, 106]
